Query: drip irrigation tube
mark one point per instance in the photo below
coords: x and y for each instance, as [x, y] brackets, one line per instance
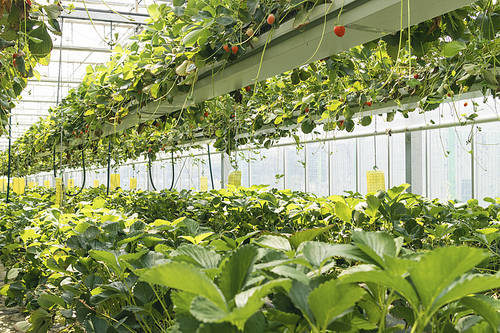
[173, 172]
[109, 167]
[84, 177]
[150, 173]
[210, 166]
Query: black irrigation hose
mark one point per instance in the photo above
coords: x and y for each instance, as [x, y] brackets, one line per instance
[54, 161]
[173, 172]
[109, 166]
[84, 177]
[210, 166]
[150, 173]
[8, 163]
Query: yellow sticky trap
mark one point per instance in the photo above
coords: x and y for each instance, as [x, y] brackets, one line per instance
[59, 191]
[46, 183]
[15, 185]
[71, 183]
[114, 181]
[375, 181]
[203, 183]
[133, 183]
[3, 184]
[19, 185]
[234, 179]
[96, 183]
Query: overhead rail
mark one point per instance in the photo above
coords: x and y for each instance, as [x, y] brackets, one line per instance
[102, 15]
[289, 48]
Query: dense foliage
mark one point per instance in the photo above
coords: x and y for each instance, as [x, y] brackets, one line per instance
[433, 61]
[252, 260]
[24, 42]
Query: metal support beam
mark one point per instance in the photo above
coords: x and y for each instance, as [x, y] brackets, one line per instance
[100, 15]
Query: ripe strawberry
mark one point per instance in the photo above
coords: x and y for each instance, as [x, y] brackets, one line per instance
[234, 49]
[248, 88]
[81, 132]
[206, 114]
[162, 148]
[149, 150]
[271, 19]
[341, 123]
[28, 2]
[226, 48]
[74, 133]
[368, 103]
[339, 30]
[250, 32]
[465, 104]
[86, 131]
[306, 110]
[232, 116]
[449, 94]
[416, 76]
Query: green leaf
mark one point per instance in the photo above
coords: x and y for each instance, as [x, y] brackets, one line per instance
[307, 235]
[192, 37]
[376, 245]
[43, 48]
[366, 273]
[466, 285]
[373, 205]
[108, 258]
[437, 269]
[451, 49]
[317, 252]
[184, 277]
[274, 242]
[486, 307]
[198, 255]
[154, 11]
[47, 301]
[331, 299]
[236, 270]
[343, 211]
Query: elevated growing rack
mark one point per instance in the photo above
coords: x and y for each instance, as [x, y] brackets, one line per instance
[289, 48]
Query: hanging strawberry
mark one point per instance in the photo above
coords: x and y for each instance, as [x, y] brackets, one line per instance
[339, 30]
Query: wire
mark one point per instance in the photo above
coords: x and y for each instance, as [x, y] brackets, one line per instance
[173, 171]
[210, 166]
[54, 162]
[84, 177]
[150, 173]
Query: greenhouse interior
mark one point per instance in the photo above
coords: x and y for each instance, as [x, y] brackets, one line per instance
[250, 166]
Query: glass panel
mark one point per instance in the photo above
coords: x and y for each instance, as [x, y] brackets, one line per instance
[487, 162]
[317, 168]
[294, 166]
[450, 164]
[267, 168]
[343, 166]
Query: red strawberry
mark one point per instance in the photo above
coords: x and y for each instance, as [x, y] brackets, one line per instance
[341, 123]
[449, 94]
[232, 116]
[149, 150]
[339, 30]
[226, 48]
[271, 19]
[162, 148]
[248, 88]
[306, 110]
[28, 2]
[416, 76]
[206, 114]
[74, 133]
[368, 103]
[86, 131]
[465, 104]
[234, 49]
